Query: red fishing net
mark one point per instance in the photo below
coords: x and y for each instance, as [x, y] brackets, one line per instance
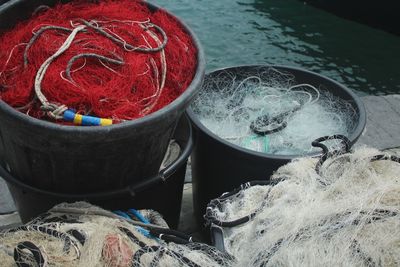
[111, 59]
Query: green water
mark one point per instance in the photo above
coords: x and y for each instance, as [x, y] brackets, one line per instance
[288, 32]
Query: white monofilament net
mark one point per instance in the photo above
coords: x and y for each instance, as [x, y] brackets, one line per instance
[80, 234]
[348, 214]
[230, 101]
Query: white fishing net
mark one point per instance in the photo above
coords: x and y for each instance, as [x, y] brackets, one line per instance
[84, 235]
[344, 213]
[347, 214]
[231, 101]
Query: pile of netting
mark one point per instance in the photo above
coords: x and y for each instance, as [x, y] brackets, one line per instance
[341, 211]
[267, 111]
[117, 60]
[83, 235]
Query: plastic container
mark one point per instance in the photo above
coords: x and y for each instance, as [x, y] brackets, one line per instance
[219, 166]
[75, 159]
[161, 192]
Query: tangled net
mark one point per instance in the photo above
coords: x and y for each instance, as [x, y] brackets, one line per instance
[117, 60]
[267, 111]
[83, 235]
[345, 214]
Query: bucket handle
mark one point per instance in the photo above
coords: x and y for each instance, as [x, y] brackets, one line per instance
[165, 173]
[132, 189]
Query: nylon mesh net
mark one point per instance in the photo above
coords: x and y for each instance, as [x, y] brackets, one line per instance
[269, 111]
[80, 234]
[345, 214]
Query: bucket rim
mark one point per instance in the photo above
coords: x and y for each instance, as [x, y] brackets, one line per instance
[353, 137]
[182, 100]
[132, 189]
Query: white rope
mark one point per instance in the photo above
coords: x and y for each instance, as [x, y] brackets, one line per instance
[309, 86]
[55, 111]
[163, 74]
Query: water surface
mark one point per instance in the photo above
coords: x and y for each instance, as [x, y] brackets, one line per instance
[289, 32]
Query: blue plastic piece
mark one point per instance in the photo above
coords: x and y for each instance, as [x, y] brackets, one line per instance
[122, 214]
[144, 232]
[69, 115]
[139, 216]
[90, 121]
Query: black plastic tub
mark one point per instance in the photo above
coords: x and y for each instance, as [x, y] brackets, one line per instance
[75, 159]
[161, 192]
[219, 166]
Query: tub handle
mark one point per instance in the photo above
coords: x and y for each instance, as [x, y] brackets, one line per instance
[165, 173]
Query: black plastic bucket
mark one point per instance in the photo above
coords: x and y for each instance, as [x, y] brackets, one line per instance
[75, 159]
[161, 192]
[219, 166]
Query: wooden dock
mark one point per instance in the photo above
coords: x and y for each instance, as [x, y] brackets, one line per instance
[382, 131]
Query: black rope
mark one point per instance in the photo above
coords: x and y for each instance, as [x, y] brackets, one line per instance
[136, 262]
[376, 215]
[49, 231]
[345, 148]
[78, 235]
[149, 249]
[168, 235]
[21, 257]
[140, 252]
[173, 238]
[216, 203]
[132, 237]
[385, 157]
[269, 254]
[156, 260]
[178, 238]
[179, 235]
[232, 223]
[368, 261]
[262, 124]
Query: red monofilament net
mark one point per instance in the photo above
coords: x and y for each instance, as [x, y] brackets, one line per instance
[120, 60]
